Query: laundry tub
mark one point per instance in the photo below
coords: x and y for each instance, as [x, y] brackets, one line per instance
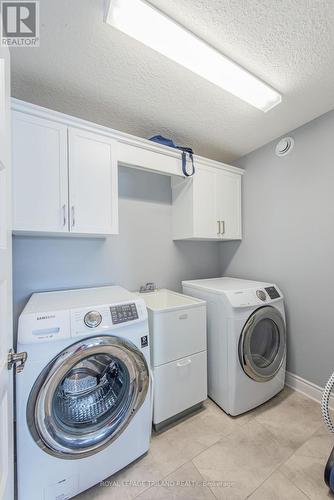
[177, 326]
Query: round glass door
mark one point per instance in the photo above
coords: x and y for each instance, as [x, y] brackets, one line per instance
[86, 396]
[262, 344]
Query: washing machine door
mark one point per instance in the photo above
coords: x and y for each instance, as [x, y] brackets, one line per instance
[86, 396]
[262, 345]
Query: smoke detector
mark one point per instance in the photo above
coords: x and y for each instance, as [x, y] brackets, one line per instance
[284, 146]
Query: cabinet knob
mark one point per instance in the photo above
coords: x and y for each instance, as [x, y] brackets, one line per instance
[219, 229]
[222, 227]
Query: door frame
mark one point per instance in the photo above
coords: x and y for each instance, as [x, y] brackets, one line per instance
[6, 308]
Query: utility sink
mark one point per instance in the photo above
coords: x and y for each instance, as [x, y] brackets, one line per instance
[164, 299]
[177, 325]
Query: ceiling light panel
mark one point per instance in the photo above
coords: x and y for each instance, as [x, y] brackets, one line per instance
[148, 25]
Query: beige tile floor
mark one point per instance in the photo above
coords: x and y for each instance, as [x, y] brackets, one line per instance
[275, 452]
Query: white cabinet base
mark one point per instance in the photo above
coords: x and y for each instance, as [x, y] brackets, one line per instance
[162, 426]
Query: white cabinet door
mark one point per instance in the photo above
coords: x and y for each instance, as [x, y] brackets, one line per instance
[93, 183]
[179, 385]
[228, 204]
[207, 206]
[39, 174]
[205, 218]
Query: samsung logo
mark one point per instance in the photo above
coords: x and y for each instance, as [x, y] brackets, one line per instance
[46, 317]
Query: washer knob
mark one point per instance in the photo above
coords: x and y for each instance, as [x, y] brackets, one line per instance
[261, 295]
[92, 319]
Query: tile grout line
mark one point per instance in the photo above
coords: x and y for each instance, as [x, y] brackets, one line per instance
[276, 468]
[296, 486]
[175, 470]
[172, 472]
[191, 459]
[283, 462]
[273, 472]
[202, 475]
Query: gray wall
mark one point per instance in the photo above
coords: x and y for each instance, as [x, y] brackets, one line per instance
[144, 250]
[288, 221]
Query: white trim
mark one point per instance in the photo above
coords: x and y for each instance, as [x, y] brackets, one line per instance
[307, 388]
[122, 137]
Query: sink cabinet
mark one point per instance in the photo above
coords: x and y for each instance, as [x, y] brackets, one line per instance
[177, 326]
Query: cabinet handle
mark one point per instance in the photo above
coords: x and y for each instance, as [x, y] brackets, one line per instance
[64, 215]
[219, 228]
[183, 363]
[73, 216]
[222, 226]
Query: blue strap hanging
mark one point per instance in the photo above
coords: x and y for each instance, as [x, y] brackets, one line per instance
[185, 151]
[188, 151]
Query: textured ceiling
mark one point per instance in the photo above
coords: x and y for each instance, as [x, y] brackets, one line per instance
[86, 68]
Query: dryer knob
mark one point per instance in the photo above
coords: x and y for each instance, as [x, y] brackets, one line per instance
[92, 319]
[261, 295]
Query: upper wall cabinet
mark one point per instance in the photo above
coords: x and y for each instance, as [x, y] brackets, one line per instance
[64, 179]
[208, 205]
[40, 179]
[93, 191]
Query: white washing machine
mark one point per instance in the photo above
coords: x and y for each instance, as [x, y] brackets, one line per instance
[246, 341]
[83, 398]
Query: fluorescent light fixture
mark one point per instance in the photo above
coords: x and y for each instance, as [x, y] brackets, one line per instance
[145, 23]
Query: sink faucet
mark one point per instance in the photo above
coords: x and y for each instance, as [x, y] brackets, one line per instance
[149, 287]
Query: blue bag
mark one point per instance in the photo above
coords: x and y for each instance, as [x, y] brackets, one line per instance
[185, 151]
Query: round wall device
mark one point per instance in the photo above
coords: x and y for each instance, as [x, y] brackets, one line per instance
[284, 146]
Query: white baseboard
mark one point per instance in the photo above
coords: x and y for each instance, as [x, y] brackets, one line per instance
[307, 388]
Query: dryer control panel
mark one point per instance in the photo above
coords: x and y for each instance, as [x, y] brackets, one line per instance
[254, 296]
[272, 292]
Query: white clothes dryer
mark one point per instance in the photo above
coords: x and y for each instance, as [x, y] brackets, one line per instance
[246, 340]
[83, 398]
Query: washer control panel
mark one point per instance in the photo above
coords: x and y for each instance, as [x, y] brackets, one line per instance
[102, 318]
[123, 312]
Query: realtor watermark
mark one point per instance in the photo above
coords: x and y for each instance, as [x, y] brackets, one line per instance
[20, 23]
[109, 483]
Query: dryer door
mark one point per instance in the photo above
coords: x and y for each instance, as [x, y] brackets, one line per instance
[86, 396]
[262, 344]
